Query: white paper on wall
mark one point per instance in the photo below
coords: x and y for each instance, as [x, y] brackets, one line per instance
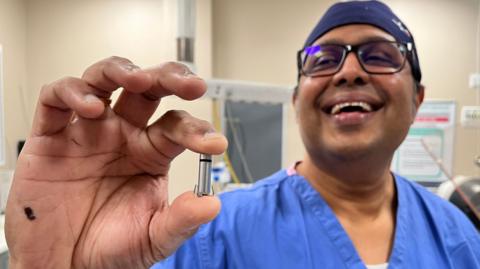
[435, 124]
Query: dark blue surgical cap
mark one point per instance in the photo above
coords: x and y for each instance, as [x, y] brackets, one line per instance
[373, 13]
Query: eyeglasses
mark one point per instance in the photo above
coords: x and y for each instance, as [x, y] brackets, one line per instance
[377, 57]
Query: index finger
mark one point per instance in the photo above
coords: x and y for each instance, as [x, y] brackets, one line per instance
[153, 83]
[143, 88]
[115, 72]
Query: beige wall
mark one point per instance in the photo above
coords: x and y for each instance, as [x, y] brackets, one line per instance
[13, 40]
[257, 40]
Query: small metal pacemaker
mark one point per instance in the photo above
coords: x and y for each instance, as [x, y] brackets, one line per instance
[204, 185]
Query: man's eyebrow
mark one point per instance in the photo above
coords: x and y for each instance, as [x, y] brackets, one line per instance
[332, 42]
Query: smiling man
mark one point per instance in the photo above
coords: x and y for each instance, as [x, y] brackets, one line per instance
[341, 207]
[90, 187]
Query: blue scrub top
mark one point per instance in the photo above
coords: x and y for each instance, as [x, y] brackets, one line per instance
[282, 222]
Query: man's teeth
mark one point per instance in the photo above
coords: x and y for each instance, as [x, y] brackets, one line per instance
[338, 107]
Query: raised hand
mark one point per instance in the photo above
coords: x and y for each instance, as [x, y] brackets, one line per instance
[90, 186]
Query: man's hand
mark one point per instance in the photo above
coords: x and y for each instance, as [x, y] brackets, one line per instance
[90, 187]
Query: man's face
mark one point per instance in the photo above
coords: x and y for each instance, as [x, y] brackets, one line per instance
[349, 135]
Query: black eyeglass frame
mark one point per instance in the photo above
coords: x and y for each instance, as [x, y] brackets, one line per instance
[354, 48]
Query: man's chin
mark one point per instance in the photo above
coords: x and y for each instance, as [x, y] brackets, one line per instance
[351, 152]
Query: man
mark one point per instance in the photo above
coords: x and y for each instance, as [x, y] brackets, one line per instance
[90, 186]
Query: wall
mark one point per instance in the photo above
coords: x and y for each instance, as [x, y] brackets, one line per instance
[258, 40]
[13, 39]
[65, 37]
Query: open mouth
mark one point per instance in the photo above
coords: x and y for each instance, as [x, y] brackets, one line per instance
[351, 107]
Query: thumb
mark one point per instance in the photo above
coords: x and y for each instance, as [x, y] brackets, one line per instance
[170, 229]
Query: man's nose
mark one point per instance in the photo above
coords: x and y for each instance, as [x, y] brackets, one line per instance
[351, 73]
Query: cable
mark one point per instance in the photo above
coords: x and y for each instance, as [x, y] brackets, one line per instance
[217, 125]
[439, 163]
[230, 168]
[236, 142]
[241, 136]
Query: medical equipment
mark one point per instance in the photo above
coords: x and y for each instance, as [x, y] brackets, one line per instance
[470, 187]
[204, 185]
[464, 192]
[253, 117]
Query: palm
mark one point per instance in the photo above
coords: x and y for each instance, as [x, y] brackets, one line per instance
[99, 187]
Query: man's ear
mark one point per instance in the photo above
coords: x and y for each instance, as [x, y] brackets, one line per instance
[294, 100]
[294, 95]
[418, 99]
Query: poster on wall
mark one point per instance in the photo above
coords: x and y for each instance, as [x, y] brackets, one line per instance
[435, 125]
[2, 113]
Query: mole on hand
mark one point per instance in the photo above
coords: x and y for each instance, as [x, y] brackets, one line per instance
[29, 213]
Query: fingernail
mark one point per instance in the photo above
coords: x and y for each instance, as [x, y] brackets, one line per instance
[91, 98]
[130, 67]
[189, 73]
[211, 135]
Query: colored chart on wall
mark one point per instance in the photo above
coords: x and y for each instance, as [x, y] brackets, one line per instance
[435, 125]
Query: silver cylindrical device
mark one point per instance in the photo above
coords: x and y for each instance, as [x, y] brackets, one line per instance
[204, 185]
